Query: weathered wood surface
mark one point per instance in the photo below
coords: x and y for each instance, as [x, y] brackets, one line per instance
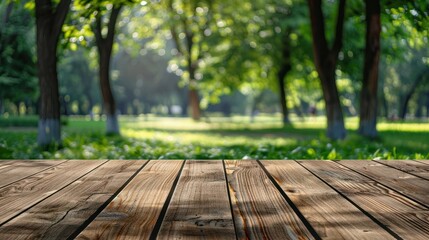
[242, 199]
[134, 212]
[12, 171]
[410, 185]
[331, 215]
[423, 161]
[416, 168]
[24, 194]
[200, 205]
[260, 211]
[60, 215]
[402, 216]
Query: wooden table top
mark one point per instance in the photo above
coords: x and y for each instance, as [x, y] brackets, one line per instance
[231, 199]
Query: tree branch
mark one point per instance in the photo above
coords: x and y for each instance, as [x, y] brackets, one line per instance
[205, 27]
[59, 18]
[173, 30]
[96, 28]
[176, 40]
[338, 42]
[112, 24]
[320, 46]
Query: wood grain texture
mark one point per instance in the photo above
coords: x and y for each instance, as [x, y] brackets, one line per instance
[135, 210]
[423, 161]
[410, 185]
[409, 166]
[6, 164]
[331, 215]
[260, 211]
[60, 215]
[200, 206]
[23, 194]
[12, 171]
[406, 218]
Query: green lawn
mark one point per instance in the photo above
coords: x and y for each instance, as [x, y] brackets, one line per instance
[221, 138]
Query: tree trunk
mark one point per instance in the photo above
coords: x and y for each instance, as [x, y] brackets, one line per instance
[49, 112]
[282, 91]
[194, 103]
[49, 24]
[404, 105]
[325, 60]
[419, 110]
[285, 67]
[185, 101]
[385, 106]
[112, 125]
[334, 114]
[105, 46]
[368, 96]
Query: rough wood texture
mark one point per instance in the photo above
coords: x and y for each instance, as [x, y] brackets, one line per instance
[405, 183]
[199, 207]
[413, 167]
[423, 161]
[260, 211]
[134, 212]
[401, 215]
[60, 215]
[332, 216]
[242, 199]
[19, 196]
[12, 171]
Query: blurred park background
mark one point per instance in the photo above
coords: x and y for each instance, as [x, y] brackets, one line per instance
[214, 79]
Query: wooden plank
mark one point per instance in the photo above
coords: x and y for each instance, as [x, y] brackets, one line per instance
[60, 215]
[5, 163]
[331, 215]
[200, 206]
[135, 210]
[423, 161]
[12, 171]
[403, 182]
[23, 194]
[260, 211]
[401, 216]
[409, 166]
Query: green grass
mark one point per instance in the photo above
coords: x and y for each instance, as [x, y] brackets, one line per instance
[221, 138]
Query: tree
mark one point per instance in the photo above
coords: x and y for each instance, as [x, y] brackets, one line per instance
[102, 17]
[285, 68]
[196, 28]
[422, 76]
[404, 51]
[325, 60]
[193, 26]
[49, 22]
[368, 96]
[105, 47]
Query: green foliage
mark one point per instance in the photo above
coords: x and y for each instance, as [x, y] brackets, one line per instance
[167, 138]
[30, 121]
[17, 63]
